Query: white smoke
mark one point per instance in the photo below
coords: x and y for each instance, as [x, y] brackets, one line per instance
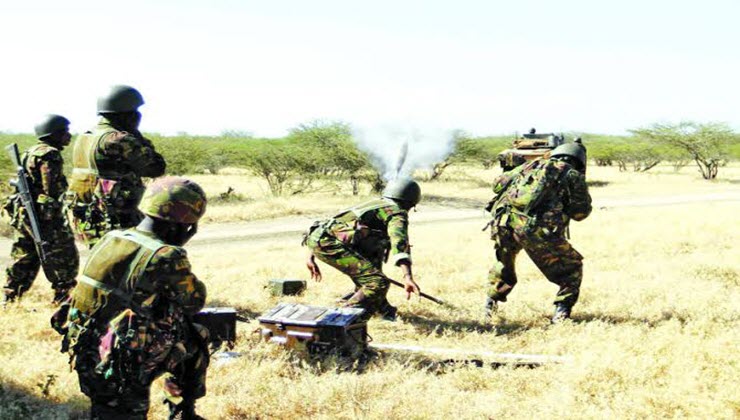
[386, 144]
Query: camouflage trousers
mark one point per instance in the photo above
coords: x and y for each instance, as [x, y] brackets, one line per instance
[370, 282]
[63, 260]
[123, 390]
[552, 254]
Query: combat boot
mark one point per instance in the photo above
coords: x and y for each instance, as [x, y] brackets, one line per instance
[388, 313]
[562, 313]
[491, 307]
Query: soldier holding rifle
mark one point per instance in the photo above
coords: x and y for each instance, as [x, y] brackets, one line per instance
[42, 235]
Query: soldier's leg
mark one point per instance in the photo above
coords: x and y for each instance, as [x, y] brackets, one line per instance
[373, 284]
[21, 273]
[502, 275]
[560, 263]
[63, 262]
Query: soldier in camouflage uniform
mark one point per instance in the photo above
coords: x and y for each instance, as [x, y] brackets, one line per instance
[44, 165]
[532, 207]
[128, 319]
[358, 240]
[108, 164]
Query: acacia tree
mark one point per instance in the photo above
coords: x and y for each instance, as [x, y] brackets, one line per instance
[707, 144]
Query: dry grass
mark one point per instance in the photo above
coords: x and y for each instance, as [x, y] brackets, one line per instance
[656, 333]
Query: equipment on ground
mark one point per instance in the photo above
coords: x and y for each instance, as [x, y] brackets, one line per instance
[315, 330]
[528, 147]
[221, 324]
[286, 287]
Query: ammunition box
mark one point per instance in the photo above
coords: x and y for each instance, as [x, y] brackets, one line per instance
[221, 323]
[283, 287]
[316, 330]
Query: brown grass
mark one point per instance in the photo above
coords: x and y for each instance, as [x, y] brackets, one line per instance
[656, 333]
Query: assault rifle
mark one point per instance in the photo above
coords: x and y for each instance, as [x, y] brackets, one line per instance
[23, 190]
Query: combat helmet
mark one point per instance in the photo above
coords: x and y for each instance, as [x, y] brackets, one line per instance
[50, 124]
[574, 150]
[119, 99]
[406, 190]
[174, 199]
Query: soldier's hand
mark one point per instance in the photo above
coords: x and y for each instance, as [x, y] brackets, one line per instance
[410, 286]
[313, 268]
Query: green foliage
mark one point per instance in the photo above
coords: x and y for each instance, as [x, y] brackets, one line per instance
[706, 143]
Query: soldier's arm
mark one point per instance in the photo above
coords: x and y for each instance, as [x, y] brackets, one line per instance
[137, 152]
[175, 280]
[398, 232]
[579, 202]
[51, 171]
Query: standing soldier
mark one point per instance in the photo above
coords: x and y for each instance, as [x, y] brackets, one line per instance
[531, 210]
[128, 320]
[109, 162]
[358, 240]
[44, 165]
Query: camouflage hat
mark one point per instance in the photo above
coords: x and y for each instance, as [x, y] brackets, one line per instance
[50, 124]
[174, 199]
[574, 150]
[120, 98]
[406, 190]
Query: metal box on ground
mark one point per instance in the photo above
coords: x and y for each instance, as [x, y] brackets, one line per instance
[221, 324]
[282, 287]
[315, 329]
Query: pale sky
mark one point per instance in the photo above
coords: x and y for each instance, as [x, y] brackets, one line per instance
[487, 67]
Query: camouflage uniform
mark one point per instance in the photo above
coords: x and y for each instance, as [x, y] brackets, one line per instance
[129, 319]
[106, 182]
[44, 165]
[127, 324]
[358, 240]
[536, 220]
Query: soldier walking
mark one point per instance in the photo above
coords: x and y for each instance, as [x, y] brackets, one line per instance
[44, 165]
[358, 240]
[108, 164]
[128, 320]
[531, 209]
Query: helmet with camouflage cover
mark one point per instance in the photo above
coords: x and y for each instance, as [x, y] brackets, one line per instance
[50, 124]
[574, 150]
[406, 190]
[174, 199]
[120, 98]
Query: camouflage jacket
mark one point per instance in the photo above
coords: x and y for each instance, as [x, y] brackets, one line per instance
[133, 270]
[44, 165]
[562, 195]
[377, 228]
[108, 164]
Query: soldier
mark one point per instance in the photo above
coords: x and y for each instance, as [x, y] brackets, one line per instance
[108, 164]
[358, 240]
[44, 164]
[532, 207]
[128, 319]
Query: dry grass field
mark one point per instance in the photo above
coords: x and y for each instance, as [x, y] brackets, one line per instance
[656, 333]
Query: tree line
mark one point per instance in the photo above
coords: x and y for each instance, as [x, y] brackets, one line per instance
[325, 151]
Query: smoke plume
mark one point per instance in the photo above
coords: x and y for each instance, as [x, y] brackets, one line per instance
[399, 151]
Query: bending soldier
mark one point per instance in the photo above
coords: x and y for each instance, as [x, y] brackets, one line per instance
[44, 164]
[532, 207]
[358, 240]
[109, 162]
[128, 319]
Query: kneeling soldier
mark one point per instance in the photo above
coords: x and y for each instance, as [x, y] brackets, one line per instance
[44, 165]
[129, 318]
[358, 240]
